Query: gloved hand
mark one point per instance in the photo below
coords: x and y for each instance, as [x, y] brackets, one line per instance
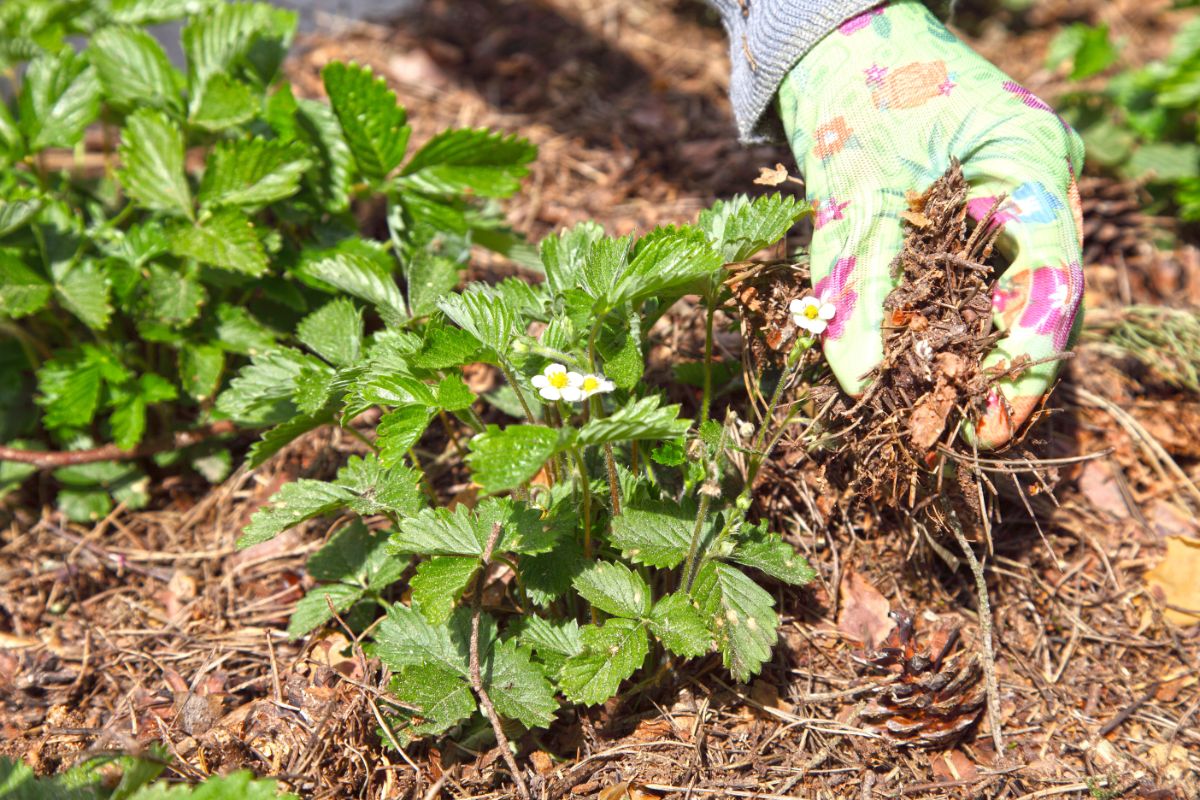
[877, 108]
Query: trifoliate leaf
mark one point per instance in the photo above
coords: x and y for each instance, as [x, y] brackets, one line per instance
[769, 553]
[313, 609]
[441, 698]
[69, 391]
[360, 278]
[60, 97]
[741, 617]
[23, 291]
[504, 459]
[666, 259]
[152, 158]
[655, 534]
[446, 347]
[615, 589]
[254, 36]
[172, 297]
[398, 430]
[641, 419]
[552, 642]
[439, 583]
[224, 102]
[677, 623]
[371, 120]
[261, 392]
[518, 687]
[465, 532]
[469, 161]
[294, 503]
[406, 639]
[334, 332]
[740, 227]
[252, 172]
[611, 653]
[226, 240]
[133, 69]
[453, 394]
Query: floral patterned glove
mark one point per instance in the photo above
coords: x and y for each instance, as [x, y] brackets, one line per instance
[878, 108]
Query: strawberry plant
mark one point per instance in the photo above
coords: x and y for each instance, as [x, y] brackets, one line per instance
[160, 225]
[620, 529]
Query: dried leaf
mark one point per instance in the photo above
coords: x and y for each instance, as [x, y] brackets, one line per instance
[771, 177]
[1176, 580]
[929, 417]
[915, 218]
[952, 765]
[864, 615]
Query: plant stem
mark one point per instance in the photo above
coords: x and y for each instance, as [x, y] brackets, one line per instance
[586, 488]
[614, 490]
[512, 381]
[689, 568]
[706, 402]
[110, 452]
[485, 702]
[759, 454]
[357, 434]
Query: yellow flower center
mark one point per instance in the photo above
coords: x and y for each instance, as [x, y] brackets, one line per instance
[558, 380]
[811, 312]
[590, 384]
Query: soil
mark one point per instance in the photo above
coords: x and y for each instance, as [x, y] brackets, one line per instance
[150, 627]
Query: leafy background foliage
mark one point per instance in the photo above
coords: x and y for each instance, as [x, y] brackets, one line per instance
[214, 222]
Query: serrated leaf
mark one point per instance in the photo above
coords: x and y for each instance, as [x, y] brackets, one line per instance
[84, 291]
[294, 503]
[173, 298]
[22, 290]
[656, 534]
[69, 391]
[398, 430]
[666, 259]
[504, 459]
[518, 687]
[671, 453]
[446, 347]
[441, 697]
[620, 347]
[240, 785]
[224, 102]
[453, 394]
[360, 278]
[406, 639]
[249, 35]
[252, 172]
[378, 489]
[313, 609]
[17, 211]
[677, 623]
[334, 332]
[740, 227]
[469, 161]
[261, 392]
[331, 156]
[611, 653]
[84, 505]
[464, 532]
[133, 68]
[549, 575]
[769, 553]
[741, 617]
[238, 331]
[551, 638]
[639, 420]
[60, 97]
[225, 240]
[152, 163]
[429, 279]
[488, 318]
[439, 583]
[615, 589]
[348, 555]
[283, 434]
[371, 119]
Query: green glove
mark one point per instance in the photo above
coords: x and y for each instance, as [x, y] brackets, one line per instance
[878, 108]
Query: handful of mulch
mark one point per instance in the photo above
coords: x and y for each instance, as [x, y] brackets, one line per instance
[890, 444]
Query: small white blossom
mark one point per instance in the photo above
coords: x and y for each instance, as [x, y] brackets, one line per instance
[595, 384]
[555, 383]
[812, 314]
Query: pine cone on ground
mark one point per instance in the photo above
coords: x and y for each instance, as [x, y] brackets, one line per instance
[939, 695]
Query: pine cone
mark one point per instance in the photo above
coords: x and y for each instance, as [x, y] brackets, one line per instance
[939, 695]
[1115, 227]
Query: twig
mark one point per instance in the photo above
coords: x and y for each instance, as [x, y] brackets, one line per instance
[1128, 711]
[485, 702]
[110, 452]
[985, 628]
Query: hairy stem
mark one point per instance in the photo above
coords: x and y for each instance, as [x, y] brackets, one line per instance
[690, 565]
[586, 489]
[485, 702]
[706, 401]
[512, 381]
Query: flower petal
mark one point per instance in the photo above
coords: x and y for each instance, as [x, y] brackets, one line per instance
[549, 393]
[540, 381]
[827, 312]
[571, 394]
[552, 369]
[574, 379]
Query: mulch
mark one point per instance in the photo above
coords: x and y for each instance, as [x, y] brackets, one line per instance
[150, 626]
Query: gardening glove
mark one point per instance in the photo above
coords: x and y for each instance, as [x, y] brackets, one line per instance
[879, 107]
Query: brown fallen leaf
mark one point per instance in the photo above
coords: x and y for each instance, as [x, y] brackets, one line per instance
[929, 417]
[771, 177]
[625, 791]
[952, 765]
[915, 218]
[542, 762]
[1176, 580]
[1100, 487]
[864, 613]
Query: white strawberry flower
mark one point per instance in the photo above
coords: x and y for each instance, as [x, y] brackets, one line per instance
[556, 383]
[812, 313]
[595, 384]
